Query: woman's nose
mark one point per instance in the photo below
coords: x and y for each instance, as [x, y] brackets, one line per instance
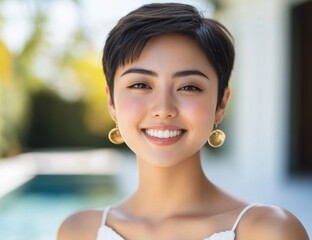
[164, 106]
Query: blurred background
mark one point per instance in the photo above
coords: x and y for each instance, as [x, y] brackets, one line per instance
[55, 157]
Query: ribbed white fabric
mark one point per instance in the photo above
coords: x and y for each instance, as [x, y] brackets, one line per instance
[107, 233]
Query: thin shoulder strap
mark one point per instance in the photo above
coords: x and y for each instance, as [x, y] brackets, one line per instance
[242, 214]
[105, 213]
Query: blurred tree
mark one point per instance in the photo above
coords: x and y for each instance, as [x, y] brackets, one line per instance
[71, 73]
[12, 105]
[85, 67]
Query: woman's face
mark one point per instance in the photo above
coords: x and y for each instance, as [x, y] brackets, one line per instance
[165, 102]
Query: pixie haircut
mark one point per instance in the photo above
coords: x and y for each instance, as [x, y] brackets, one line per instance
[128, 38]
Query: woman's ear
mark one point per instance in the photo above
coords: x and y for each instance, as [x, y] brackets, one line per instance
[222, 106]
[110, 102]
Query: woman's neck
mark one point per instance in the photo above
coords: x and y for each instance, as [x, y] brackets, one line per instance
[168, 191]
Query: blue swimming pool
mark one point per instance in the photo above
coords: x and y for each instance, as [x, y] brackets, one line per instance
[35, 210]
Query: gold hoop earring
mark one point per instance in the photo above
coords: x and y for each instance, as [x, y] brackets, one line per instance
[114, 136]
[216, 138]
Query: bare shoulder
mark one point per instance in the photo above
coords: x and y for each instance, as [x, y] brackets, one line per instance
[270, 223]
[82, 225]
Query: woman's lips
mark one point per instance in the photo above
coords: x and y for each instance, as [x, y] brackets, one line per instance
[163, 133]
[163, 136]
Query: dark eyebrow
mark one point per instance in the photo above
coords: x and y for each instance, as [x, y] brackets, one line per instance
[190, 72]
[140, 71]
[154, 74]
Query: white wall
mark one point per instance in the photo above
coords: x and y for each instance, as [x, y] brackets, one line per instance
[260, 87]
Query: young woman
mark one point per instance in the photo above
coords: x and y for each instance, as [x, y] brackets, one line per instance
[167, 71]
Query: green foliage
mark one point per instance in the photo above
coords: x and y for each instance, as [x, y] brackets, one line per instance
[42, 70]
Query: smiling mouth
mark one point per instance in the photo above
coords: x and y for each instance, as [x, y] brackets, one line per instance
[163, 133]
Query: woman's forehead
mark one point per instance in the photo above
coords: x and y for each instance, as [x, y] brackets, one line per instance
[174, 52]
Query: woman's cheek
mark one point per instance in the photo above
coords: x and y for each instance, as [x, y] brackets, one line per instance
[201, 109]
[129, 106]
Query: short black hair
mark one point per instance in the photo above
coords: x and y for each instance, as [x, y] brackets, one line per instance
[127, 39]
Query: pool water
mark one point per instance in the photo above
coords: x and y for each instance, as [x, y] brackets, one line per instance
[36, 210]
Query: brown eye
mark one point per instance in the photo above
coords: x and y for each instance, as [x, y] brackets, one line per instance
[139, 86]
[190, 88]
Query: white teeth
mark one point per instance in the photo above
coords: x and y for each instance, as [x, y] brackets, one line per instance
[163, 133]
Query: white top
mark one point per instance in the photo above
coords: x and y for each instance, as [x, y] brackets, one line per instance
[107, 233]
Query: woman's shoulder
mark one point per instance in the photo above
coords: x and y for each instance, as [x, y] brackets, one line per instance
[81, 225]
[270, 223]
